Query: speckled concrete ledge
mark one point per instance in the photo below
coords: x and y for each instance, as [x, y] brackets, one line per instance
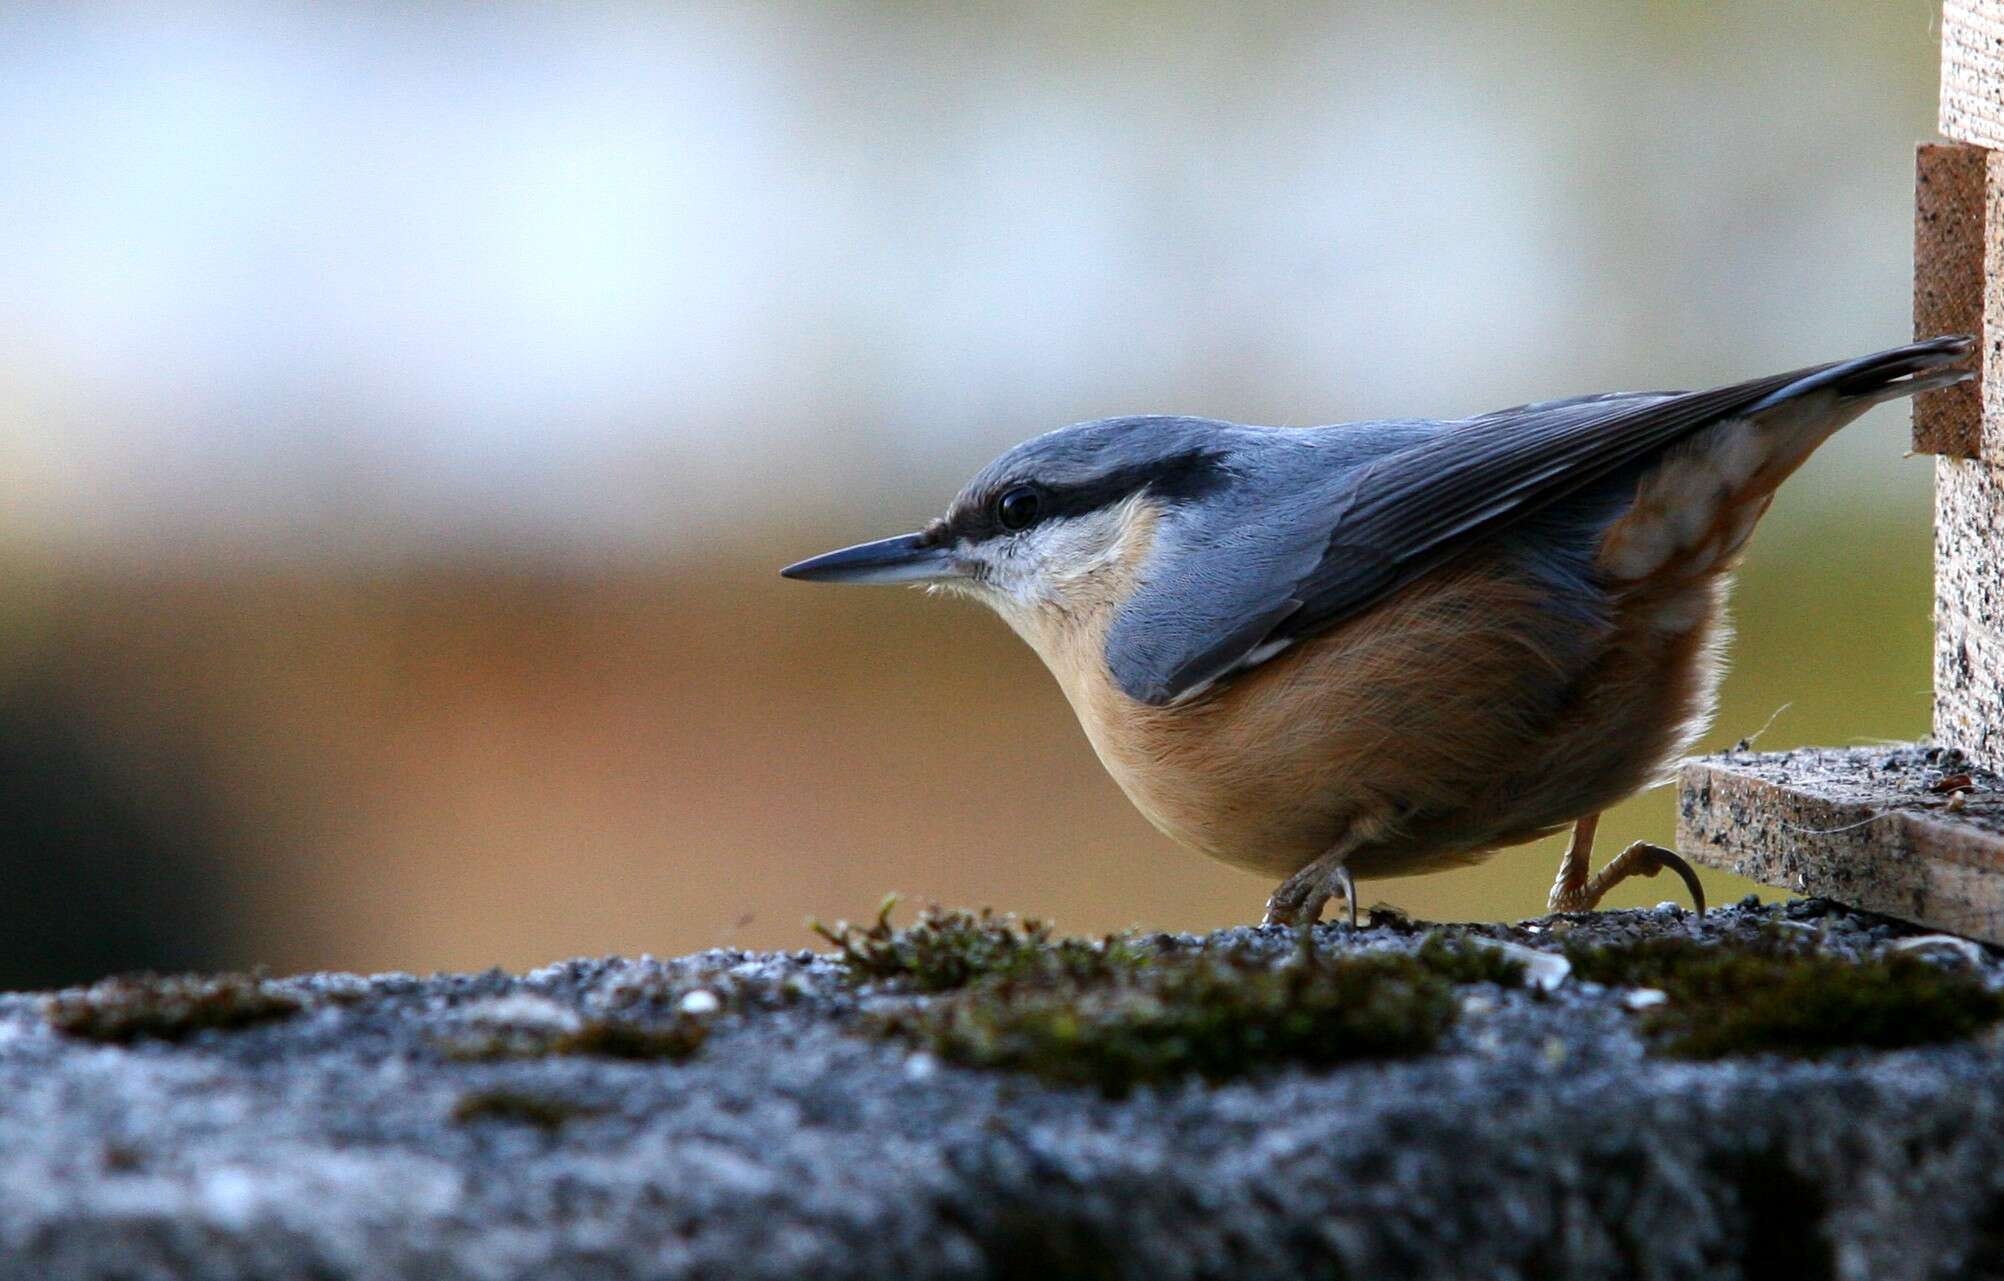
[354, 1137]
[1915, 832]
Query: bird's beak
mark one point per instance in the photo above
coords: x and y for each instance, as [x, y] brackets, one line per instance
[908, 558]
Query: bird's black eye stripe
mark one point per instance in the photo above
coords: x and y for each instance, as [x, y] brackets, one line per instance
[1020, 502]
[1018, 507]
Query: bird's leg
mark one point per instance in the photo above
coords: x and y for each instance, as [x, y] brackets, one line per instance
[1574, 867]
[1575, 891]
[1301, 897]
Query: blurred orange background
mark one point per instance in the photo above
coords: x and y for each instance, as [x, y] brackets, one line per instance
[402, 416]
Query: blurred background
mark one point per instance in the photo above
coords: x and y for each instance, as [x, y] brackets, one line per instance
[403, 412]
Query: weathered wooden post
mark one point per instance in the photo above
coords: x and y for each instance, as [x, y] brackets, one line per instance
[1915, 832]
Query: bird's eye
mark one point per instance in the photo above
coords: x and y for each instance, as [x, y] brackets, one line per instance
[1017, 508]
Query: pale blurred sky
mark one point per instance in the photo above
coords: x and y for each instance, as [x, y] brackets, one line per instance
[610, 280]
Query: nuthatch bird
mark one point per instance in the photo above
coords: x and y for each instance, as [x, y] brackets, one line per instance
[1382, 648]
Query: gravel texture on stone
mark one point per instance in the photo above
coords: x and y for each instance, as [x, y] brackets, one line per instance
[353, 1139]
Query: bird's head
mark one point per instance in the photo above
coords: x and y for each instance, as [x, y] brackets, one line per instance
[1059, 524]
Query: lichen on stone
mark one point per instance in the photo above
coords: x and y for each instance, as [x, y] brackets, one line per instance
[165, 1007]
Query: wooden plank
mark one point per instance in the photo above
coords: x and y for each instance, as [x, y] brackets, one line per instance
[1969, 608]
[1951, 182]
[1858, 825]
[1972, 71]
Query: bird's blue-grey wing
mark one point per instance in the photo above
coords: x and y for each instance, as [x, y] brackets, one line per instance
[1273, 572]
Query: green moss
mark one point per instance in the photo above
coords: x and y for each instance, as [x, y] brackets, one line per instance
[947, 949]
[606, 1038]
[1656, 962]
[1116, 1013]
[166, 1007]
[1810, 1006]
[1212, 1014]
[1460, 961]
[625, 1039]
[1779, 995]
[519, 1107]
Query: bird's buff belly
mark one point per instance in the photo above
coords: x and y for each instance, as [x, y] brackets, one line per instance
[1440, 741]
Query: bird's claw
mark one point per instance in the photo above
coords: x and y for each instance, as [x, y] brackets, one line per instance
[1651, 859]
[1639, 859]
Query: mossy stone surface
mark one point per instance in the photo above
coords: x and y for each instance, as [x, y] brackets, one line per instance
[518, 1107]
[949, 948]
[1515, 1132]
[1215, 1016]
[1122, 1012]
[166, 1007]
[1779, 993]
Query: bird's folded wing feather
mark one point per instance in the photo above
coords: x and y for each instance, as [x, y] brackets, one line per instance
[1324, 556]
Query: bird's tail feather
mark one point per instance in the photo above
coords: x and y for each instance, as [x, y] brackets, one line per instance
[1884, 375]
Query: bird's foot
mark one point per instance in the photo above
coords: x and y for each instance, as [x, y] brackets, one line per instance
[1639, 859]
[1300, 898]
